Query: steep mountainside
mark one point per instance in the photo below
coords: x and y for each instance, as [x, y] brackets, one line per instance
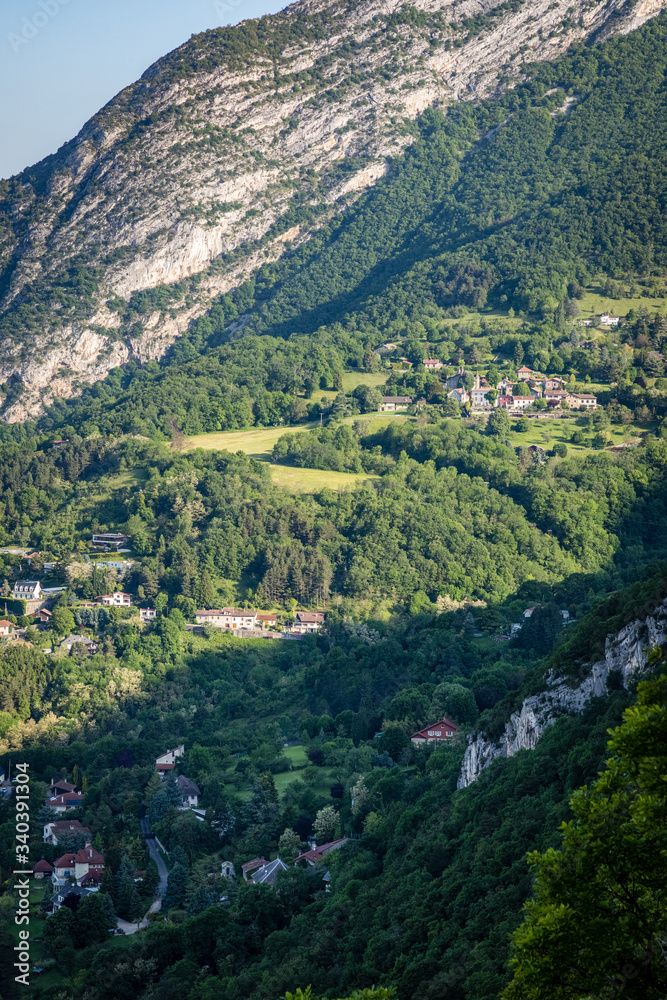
[230, 149]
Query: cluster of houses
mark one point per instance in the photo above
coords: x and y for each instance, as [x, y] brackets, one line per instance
[189, 790]
[77, 872]
[484, 396]
[305, 622]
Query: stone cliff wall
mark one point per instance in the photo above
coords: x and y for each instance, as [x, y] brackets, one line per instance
[625, 653]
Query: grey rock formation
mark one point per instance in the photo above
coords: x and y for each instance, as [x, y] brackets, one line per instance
[625, 653]
[204, 155]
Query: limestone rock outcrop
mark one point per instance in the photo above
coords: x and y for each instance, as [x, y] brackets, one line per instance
[625, 654]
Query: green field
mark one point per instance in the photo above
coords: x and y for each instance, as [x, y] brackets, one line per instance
[596, 302]
[258, 442]
[547, 433]
[350, 381]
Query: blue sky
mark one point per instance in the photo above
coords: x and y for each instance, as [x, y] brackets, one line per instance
[62, 60]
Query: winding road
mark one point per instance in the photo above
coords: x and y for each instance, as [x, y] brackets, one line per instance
[154, 852]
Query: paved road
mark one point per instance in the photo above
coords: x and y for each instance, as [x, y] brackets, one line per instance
[159, 862]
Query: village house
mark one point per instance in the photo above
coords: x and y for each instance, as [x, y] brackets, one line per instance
[251, 866]
[582, 401]
[607, 320]
[505, 386]
[315, 854]
[42, 869]
[524, 373]
[167, 761]
[479, 397]
[87, 860]
[584, 322]
[521, 402]
[61, 803]
[65, 892]
[268, 873]
[390, 404]
[307, 621]
[384, 348]
[557, 396]
[79, 640]
[268, 620]
[227, 618]
[147, 614]
[110, 540]
[55, 829]
[59, 787]
[43, 616]
[116, 600]
[28, 590]
[460, 395]
[6, 627]
[432, 364]
[437, 732]
[554, 382]
[505, 402]
[190, 792]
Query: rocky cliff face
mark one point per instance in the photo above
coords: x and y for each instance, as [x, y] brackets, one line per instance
[625, 654]
[236, 145]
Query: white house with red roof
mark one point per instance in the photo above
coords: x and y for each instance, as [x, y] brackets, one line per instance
[6, 627]
[61, 803]
[432, 364]
[307, 622]
[437, 732]
[58, 828]
[116, 600]
[227, 618]
[167, 761]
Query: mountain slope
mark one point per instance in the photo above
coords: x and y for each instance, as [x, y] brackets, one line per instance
[231, 148]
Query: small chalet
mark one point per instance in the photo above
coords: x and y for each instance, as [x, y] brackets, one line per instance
[307, 621]
[116, 600]
[109, 540]
[61, 803]
[251, 866]
[607, 320]
[267, 874]
[167, 761]
[316, 854]
[437, 732]
[42, 869]
[43, 616]
[390, 404]
[227, 618]
[432, 364]
[79, 640]
[190, 792]
[460, 395]
[28, 590]
[58, 828]
[58, 787]
[6, 627]
[147, 614]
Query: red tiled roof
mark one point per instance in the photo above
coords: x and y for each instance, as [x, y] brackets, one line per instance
[442, 724]
[43, 866]
[89, 855]
[92, 875]
[65, 861]
[316, 853]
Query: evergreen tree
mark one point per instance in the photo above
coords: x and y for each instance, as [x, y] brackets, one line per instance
[177, 884]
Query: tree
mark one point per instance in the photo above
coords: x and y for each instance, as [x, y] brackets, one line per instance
[160, 806]
[597, 924]
[59, 929]
[394, 740]
[62, 621]
[455, 702]
[200, 900]
[177, 884]
[560, 449]
[289, 844]
[93, 919]
[499, 423]
[326, 821]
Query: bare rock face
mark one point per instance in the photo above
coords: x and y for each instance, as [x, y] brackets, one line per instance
[625, 654]
[204, 156]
